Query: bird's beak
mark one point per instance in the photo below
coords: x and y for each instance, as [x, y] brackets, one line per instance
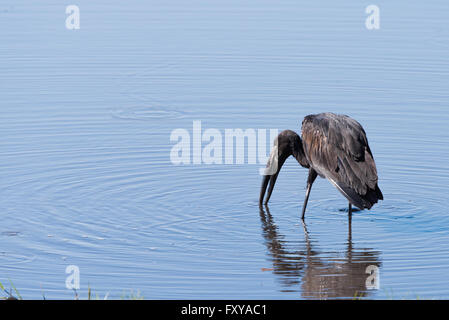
[263, 188]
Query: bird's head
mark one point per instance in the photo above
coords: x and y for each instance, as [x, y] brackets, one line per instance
[287, 143]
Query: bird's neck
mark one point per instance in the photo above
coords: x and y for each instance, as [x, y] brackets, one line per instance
[300, 156]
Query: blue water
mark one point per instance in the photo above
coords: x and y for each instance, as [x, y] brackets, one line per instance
[86, 176]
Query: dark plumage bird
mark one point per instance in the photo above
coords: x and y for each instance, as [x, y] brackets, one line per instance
[334, 147]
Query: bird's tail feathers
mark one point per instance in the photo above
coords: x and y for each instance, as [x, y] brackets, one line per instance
[361, 202]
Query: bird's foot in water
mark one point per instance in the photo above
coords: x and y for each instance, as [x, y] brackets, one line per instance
[354, 209]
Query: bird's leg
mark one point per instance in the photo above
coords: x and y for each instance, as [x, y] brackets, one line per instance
[309, 186]
[311, 178]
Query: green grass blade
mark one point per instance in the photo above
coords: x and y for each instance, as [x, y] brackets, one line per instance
[15, 290]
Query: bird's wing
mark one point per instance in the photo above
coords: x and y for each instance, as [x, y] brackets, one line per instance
[337, 147]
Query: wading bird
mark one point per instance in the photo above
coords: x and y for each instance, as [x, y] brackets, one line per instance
[334, 147]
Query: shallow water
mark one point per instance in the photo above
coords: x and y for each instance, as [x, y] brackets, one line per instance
[85, 170]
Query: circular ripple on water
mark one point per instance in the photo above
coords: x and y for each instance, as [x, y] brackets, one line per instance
[10, 259]
[147, 113]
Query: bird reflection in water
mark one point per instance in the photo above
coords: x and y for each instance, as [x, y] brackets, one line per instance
[313, 273]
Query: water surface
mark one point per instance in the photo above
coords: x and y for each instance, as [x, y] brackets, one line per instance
[85, 171]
